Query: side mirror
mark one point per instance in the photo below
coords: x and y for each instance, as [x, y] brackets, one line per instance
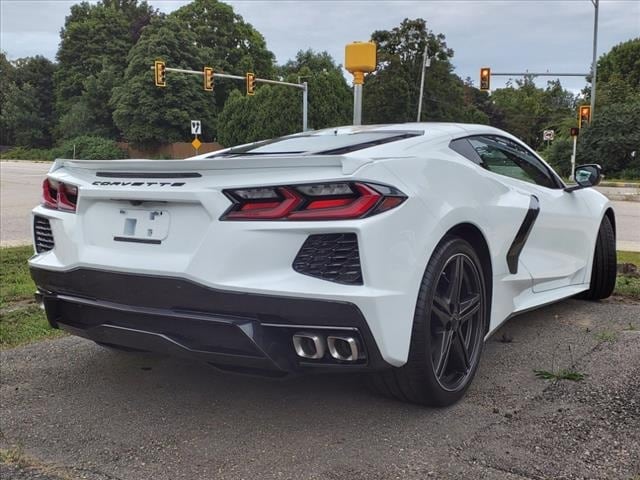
[586, 176]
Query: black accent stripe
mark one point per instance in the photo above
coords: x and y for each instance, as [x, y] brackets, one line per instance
[137, 240]
[513, 254]
[148, 175]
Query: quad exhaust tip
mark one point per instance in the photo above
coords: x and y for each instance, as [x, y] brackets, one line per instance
[313, 347]
[308, 345]
[342, 348]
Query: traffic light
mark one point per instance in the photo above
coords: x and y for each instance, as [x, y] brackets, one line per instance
[584, 116]
[485, 79]
[208, 79]
[161, 74]
[574, 131]
[251, 84]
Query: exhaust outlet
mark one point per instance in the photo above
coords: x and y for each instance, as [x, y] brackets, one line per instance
[344, 349]
[308, 345]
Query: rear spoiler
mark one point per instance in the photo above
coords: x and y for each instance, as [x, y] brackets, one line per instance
[348, 164]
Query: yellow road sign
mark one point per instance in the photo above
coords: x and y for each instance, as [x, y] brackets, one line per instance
[196, 143]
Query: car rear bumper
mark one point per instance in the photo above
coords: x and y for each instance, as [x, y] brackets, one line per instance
[233, 331]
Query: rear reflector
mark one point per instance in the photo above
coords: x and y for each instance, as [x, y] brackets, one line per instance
[322, 201]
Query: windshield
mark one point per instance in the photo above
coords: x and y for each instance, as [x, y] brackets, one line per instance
[320, 144]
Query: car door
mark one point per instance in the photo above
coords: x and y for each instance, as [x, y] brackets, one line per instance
[557, 245]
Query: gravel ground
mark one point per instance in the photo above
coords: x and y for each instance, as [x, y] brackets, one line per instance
[103, 415]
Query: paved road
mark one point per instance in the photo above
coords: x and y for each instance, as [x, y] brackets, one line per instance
[21, 183]
[95, 414]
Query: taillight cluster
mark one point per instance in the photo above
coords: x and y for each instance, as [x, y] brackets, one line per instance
[317, 201]
[58, 195]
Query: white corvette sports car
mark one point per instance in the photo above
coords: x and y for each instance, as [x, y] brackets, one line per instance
[393, 250]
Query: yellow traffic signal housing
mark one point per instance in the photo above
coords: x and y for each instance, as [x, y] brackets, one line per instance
[161, 74]
[485, 79]
[251, 84]
[584, 116]
[208, 79]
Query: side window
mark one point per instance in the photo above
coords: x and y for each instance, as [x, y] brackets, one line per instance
[504, 157]
[464, 148]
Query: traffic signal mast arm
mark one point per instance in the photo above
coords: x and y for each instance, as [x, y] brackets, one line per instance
[301, 86]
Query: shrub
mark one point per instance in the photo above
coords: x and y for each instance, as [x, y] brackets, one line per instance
[558, 155]
[24, 153]
[90, 148]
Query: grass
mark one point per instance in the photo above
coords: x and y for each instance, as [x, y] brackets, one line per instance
[628, 286]
[25, 325]
[21, 320]
[15, 282]
[629, 257]
[606, 336]
[564, 374]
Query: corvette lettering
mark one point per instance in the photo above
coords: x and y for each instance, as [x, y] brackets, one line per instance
[138, 184]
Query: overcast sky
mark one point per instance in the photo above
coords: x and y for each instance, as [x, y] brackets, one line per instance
[508, 35]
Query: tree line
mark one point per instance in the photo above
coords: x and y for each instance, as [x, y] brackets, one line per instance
[101, 85]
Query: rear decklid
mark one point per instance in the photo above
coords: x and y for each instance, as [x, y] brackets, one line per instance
[172, 204]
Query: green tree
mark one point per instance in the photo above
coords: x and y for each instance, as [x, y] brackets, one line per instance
[21, 117]
[526, 110]
[619, 74]
[391, 92]
[277, 110]
[33, 77]
[149, 116]
[94, 43]
[226, 42]
[612, 138]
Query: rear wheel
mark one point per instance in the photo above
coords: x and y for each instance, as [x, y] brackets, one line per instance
[603, 272]
[448, 330]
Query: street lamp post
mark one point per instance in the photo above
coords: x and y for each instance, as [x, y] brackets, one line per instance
[594, 63]
[426, 62]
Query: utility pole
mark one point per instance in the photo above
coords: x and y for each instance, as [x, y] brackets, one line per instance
[426, 62]
[594, 63]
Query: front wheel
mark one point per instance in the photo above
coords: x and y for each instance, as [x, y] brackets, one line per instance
[603, 270]
[448, 330]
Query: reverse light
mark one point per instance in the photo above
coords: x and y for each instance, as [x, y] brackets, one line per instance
[59, 196]
[318, 201]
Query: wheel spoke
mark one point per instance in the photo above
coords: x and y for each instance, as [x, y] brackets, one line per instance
[441, 309]
[464, 352]
[445, 351]
[455, 286]
[468, 308]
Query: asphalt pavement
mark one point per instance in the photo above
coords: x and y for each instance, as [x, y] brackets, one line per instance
[74, 409]
[21, 182]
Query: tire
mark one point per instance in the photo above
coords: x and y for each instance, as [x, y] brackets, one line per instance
[440, 320]
[603, 271]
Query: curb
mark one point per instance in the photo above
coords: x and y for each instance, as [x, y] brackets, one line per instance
[620, 184]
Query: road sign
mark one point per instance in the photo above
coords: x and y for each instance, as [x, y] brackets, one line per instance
[196, 144]
[574, 131]
[196, 127]
[548, 135]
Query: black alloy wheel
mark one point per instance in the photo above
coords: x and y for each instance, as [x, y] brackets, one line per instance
[456, 322]
[449, 325]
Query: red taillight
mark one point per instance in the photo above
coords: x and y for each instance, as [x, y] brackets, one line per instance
[60, 196]
[328, 201]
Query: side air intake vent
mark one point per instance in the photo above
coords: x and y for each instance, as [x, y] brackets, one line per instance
[43, 235]
[334, 257]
